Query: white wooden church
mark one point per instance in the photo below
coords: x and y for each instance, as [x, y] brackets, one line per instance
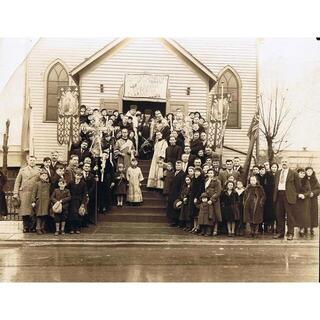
[186, 70]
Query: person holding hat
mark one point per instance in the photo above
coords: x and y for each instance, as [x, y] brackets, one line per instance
[23, 186]
[40, 200]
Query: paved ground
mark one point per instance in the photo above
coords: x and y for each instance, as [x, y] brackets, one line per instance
[116, 262]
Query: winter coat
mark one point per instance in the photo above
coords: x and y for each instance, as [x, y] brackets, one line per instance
[185, 208]
[214, 190]
[120, 181]
[173, 153]
[267, 182]
[302, 212]
[23, 186]
[79, 196]
[204, 217]
[168, 176]
[292, 185]
[197, 188]
[63, 195]
[41, 196]
[315, 189]
[253, 202]
[229, 206]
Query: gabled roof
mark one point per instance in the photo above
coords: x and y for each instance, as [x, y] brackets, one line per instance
[172, 43]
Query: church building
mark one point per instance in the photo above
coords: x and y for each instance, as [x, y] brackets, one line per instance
[154, 73]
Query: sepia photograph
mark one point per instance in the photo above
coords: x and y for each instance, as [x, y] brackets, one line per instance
[173, 157]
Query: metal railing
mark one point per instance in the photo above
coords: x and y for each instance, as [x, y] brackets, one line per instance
[12, 211]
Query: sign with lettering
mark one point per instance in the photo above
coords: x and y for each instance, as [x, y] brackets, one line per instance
[145, 87]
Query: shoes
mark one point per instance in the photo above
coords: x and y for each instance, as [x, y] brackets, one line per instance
[71, 232]
[25, 230]
[78, 232]
[62, 233]
[56, 233]
[278, 236]
[39, 232]
[290, 237]
[215, 233]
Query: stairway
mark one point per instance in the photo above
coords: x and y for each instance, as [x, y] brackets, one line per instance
[153, 209]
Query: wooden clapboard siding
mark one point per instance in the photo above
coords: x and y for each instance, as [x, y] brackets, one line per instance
[241, 55]
[144, 55]
[70, 52]
[138, 55]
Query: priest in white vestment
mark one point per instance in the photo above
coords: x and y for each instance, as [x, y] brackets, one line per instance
[155, 179]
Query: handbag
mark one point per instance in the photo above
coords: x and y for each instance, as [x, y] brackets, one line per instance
[82, 210]
[57, 207]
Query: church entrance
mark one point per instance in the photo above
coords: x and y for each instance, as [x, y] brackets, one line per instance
[145, 105]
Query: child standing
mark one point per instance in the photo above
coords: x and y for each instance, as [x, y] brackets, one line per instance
[253, 202]
[240, 191]
[40, 200]
[204, 214]
[63, 196]
[79, 199]
[134, 177]
[168, 175]
[120, 188]
[185, 209]
[229, 205]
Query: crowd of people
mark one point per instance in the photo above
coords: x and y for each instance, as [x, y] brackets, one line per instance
[203, 196]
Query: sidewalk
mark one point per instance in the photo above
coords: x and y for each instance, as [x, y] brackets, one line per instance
[114, 233]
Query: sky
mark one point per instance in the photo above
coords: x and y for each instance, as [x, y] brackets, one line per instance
[290, 64]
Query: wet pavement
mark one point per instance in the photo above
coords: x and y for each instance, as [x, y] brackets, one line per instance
[96, 262]
[143, 252]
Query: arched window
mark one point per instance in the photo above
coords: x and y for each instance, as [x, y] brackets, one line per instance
[231, 85]
[57, 78]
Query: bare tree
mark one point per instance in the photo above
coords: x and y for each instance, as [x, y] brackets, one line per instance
[276, 122]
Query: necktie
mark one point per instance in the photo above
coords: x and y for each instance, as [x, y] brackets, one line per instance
[282, 179]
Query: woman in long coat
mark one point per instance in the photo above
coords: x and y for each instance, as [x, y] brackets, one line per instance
[197, 188]
[26, 179]
[3, 202]
[213, 189]
[253, 202]
[302, 206]
[315, 191]
[267, 183]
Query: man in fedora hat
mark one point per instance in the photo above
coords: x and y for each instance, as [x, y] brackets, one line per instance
[23, 186]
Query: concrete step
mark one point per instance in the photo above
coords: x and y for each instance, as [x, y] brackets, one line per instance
[129, 216]
[139, 209]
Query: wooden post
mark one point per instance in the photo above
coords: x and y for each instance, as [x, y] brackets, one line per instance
[221, 124]
[5, 148]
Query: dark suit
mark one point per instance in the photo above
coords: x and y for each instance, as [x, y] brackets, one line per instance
[285, 201]
[196, 146]
[82, 154]
[173, 153]
[174, 194]
[192, 157]
[91, 186]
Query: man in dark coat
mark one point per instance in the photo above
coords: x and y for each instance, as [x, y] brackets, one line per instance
[196, 143]
[90, 181]
[287, 184]
[173, 152]
[175, 189]
[237, 167]
[82, 152]
[191, 157]
[54, 160]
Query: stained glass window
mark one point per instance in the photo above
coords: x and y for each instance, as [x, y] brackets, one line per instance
[57, 78]
[231, 85]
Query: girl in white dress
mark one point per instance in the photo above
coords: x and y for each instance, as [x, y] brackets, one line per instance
[134, 177]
